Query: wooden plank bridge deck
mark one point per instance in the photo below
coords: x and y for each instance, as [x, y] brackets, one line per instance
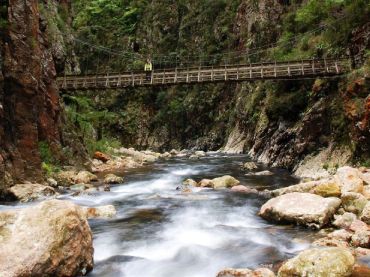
[207, 74]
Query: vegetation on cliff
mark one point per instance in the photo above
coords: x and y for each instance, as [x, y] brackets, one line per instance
[224, 31]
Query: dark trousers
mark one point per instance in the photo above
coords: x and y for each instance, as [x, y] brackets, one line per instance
[148, 75]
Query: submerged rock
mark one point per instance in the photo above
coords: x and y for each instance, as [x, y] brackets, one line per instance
[52, 238]
[30, 192]
[194, 157]
[301, 208]
[108, 211]
[245, 272]
[250, 166]
[112, 179]
[260, 173]
[243, 189]
[320, 262]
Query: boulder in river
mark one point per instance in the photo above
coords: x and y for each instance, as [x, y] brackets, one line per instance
[66, 178]
[250, 166]
[226, 181]
[112, 179]
[85, 177]
[301, 208]
[30, 192]
[108, 211]
[52, 238]
[205, 183]
[194, 157]
[320, 262]
[243, 189]
[245, 272]
[190, 182]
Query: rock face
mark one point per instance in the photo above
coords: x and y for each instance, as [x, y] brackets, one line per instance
[61, 233]
[301, 208]
[245, 272]
[333, 261]
[30, 192]
[30, 108]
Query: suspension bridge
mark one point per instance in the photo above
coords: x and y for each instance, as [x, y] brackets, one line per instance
[302, 69]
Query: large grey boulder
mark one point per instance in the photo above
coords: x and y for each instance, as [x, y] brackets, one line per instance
[52, 238]
[301, 208]
[320, 262]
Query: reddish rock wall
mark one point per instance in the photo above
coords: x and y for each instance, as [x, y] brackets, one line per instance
[30, 98]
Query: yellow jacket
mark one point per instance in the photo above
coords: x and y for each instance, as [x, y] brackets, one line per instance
[148, 67]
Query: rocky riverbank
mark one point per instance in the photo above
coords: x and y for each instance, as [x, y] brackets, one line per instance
[337, 206]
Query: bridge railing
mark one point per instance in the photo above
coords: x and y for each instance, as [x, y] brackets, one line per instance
[222, 73]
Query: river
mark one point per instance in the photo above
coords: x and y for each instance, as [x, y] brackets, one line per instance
[160, 232]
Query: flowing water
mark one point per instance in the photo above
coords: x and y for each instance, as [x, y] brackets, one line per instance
[161, 232]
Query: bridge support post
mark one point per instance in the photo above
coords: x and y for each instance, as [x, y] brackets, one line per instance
[262, 70]
[313, 66]
[326, 66]
[302, 67]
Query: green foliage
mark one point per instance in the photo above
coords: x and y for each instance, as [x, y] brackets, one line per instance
[104, 145]
[319, 28]
[50, 164]
[45, 152]
[3, 15]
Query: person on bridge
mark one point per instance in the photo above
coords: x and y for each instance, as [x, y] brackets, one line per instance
[148, 68]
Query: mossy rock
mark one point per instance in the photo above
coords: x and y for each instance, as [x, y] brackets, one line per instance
[327, 190]
[320, 262]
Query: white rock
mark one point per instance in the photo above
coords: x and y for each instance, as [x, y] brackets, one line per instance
[301, 208]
